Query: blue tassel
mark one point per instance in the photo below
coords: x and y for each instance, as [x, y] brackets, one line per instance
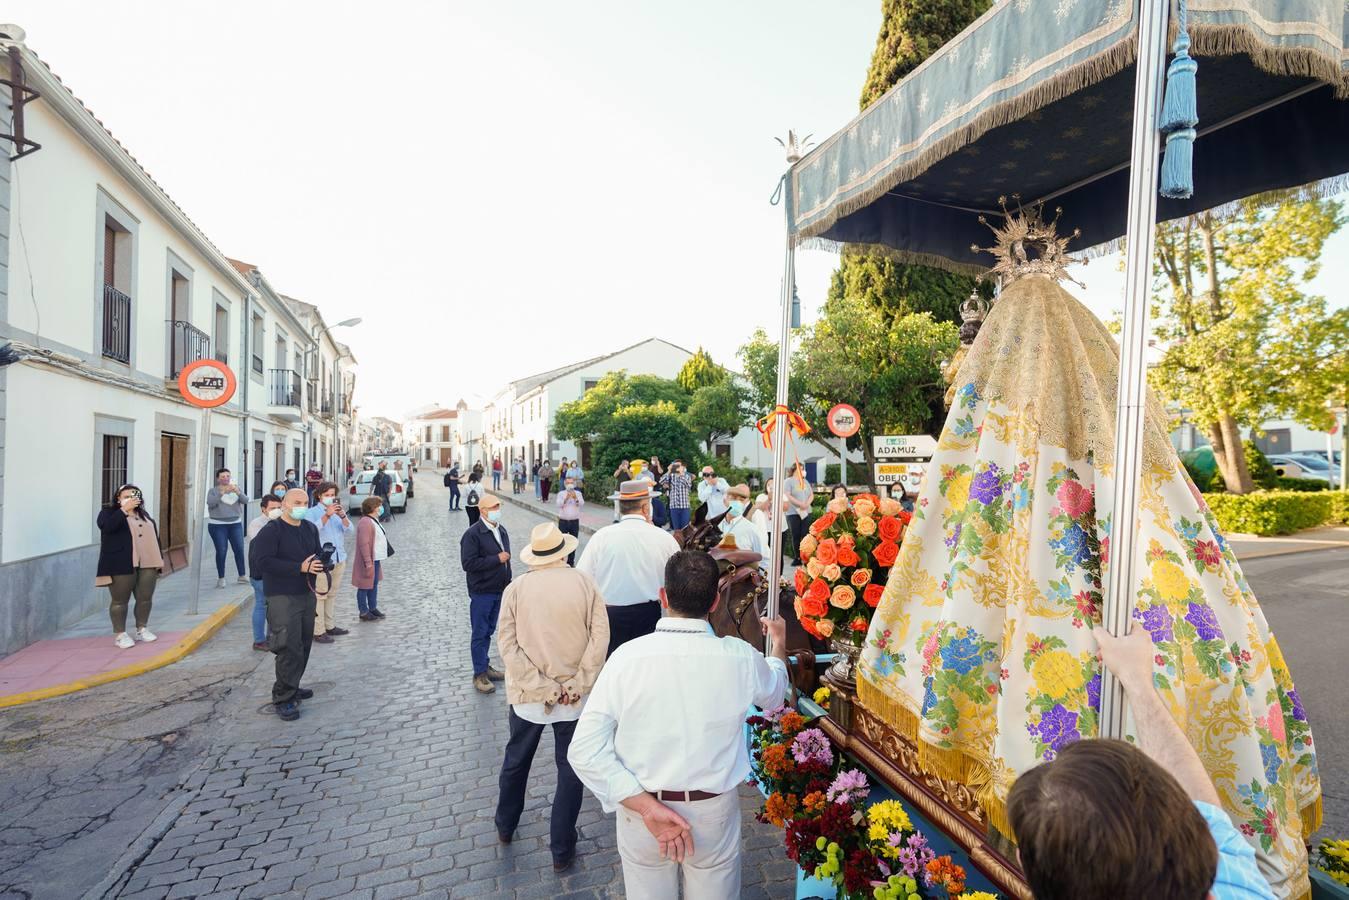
[1179, 107]
[1178, 165]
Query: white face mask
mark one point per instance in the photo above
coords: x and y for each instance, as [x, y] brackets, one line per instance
[274, 512]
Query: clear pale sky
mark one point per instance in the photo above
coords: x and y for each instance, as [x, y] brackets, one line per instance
[496, 188]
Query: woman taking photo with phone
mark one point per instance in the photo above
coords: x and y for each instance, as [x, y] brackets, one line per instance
[128, 562]
[225, 507]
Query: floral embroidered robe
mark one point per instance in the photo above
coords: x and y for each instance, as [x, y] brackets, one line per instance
[981, 646]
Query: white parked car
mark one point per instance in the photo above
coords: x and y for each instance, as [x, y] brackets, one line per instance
[1305, 465]
[363, 485]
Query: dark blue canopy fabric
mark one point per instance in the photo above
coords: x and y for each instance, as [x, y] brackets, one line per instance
[1049, 114]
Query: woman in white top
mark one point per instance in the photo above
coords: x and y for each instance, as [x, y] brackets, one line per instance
[372, 548]
[798, 497]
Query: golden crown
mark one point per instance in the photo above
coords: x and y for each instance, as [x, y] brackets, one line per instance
[1028, 245]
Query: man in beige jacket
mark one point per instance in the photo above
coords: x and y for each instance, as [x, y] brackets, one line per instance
[553, 634]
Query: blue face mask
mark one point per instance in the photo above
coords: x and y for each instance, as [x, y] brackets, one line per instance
[494, 516]
[297, 513]
[737, 507]
[383, 511]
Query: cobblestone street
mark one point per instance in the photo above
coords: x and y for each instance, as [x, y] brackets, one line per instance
[182, 783]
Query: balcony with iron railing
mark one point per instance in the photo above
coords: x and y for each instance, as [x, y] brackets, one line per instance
[116, 324]
[326, 406]
[283, 393]
[187, 344]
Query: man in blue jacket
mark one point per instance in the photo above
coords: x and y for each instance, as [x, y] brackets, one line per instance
[485, 553]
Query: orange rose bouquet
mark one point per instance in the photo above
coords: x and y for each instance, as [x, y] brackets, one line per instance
[846, 559]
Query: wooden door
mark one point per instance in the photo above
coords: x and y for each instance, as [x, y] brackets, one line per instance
[174, 500]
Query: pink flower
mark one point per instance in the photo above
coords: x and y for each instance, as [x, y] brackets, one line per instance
[1276, 724]
[1077, 501]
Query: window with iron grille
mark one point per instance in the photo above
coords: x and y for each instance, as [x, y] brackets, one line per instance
[113, 465]
[258, 487]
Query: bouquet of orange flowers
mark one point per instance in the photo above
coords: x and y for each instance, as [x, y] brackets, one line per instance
[844, 564]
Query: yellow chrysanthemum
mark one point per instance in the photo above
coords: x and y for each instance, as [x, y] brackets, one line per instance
[891, 814]
[1170, 581]
[958, 491]
[977, 895]
[821, 696]
[1057, 674]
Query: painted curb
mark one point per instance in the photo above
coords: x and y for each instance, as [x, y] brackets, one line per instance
[191, 641]
[539, 511]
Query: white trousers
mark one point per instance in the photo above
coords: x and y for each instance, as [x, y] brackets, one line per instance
[711, 873]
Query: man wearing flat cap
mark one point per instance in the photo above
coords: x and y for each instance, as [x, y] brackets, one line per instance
[627, 560]
[553, 634]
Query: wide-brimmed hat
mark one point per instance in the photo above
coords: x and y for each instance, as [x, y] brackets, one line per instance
[738, 490]
[639, 489]
[547, 544]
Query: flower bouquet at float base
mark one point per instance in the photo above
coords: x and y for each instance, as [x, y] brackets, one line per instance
[833, 835]
[844, 563]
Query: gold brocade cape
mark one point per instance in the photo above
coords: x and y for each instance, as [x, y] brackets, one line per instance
[981, 647]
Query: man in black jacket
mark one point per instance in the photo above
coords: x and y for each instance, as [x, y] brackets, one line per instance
[284, 556]
[380, 486]
[485, 553]
[452, 482]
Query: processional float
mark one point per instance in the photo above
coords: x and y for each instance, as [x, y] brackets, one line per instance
[1055, 498]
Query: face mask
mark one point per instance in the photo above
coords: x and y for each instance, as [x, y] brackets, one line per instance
[328, 500]
[274, 512]
[571, 487]
[297, 513]
[736, 507]
[494, 515]
[290, 476]
[383, 512]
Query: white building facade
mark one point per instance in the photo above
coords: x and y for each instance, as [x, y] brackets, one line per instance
[518, 419]
[440, 436]
[109, 293]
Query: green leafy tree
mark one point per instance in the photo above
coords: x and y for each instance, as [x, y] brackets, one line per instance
[759, 364]
[699, 371]
[717, 410]
[911, 31]
[890, 368]
[589, 416]
[1243, 341]
[644, 430]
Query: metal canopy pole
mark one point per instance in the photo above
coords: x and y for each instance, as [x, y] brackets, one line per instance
[779, 417]
[1130, 412]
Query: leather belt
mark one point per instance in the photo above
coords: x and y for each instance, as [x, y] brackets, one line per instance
[684, 796]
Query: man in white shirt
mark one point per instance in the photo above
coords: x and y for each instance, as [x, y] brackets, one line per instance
[627, 561]
[712, 492]
[737, 525]
[661, 741]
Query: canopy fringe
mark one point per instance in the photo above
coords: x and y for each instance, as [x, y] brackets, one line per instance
[1206, 40]
[907, 257]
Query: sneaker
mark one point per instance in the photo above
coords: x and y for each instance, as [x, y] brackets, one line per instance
[124, 641]
[494, 674]
[220, 582]
[483, 685]
[377, 614]
[338, 631]
[261, 645]
[243, 579]
[288, 712]
[303, 693]
[146, 635]
[322, 639]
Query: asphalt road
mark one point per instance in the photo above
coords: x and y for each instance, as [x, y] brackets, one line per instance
[182, 783]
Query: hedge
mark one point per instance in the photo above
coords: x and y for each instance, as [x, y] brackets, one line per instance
[1301, 484]
[1276, 512]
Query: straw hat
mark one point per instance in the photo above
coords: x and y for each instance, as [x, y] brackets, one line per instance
[547, 544]
[634, 490]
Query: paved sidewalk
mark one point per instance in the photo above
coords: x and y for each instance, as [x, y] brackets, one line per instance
[83, 654]
[1250, 546]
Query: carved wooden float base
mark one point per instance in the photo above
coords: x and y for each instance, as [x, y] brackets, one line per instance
[949, 805]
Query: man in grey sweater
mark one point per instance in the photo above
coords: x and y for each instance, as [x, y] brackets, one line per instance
[225, 508]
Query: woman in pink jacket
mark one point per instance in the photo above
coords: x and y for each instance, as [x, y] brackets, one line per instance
[372, 548]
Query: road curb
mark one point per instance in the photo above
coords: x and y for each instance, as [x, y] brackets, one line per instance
[525, 504]
[191, 641]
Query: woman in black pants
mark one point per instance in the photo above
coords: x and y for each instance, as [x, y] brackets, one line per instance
[129, 561]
